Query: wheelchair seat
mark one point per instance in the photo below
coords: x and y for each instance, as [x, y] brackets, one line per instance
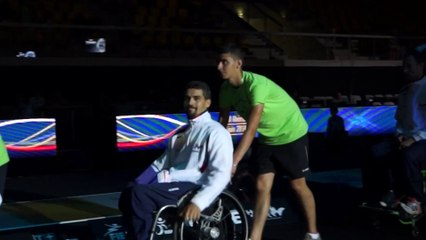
[225, 218]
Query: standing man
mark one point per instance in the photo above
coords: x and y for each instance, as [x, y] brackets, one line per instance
[336, 134]
[410, 150]
[335, 125]
[199, 156]
[283, 141]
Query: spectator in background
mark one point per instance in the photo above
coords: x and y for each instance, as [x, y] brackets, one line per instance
[37, 103]
[30, 107]
[4, 159]
[410, 137]
[335, 125]
[282, 142]
[340, 99]
[336, 134]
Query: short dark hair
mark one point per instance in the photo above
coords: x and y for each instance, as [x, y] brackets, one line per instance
[200, 85]
[334, 109]
[233, 49]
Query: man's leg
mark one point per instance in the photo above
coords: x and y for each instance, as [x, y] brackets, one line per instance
[145, 199]
[125, 206]
[412, 160]
[263, 201]
[3, 172]
[149, 176]
[307, 202]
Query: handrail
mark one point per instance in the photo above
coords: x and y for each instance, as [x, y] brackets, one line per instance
[330, 47]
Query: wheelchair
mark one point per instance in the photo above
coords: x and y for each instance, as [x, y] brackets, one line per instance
[224, 219]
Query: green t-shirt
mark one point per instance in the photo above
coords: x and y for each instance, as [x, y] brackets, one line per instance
[281, 122]
[4, 156]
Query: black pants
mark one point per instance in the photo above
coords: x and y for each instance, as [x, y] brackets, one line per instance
[3, 174]
[413, 160]
[402, 167]
[141, 200]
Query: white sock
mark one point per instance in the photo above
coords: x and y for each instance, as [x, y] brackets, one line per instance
[314, 235]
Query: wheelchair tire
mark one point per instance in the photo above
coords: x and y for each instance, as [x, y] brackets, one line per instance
[224, 219]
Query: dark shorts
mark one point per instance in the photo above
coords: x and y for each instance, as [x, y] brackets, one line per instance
[290, 159]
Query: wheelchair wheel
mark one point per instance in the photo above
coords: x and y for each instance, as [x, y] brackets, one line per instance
[224, 219]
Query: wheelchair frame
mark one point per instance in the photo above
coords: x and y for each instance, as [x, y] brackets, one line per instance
[225, 218]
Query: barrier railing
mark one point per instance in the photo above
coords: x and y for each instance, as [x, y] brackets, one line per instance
[123, 45]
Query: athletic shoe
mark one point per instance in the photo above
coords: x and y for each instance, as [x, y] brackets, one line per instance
[309, 237]
[412, 207]
[389, 200]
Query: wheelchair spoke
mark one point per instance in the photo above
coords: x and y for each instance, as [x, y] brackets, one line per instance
[225, 219]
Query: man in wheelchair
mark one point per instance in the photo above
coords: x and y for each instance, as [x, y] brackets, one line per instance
[198, 156]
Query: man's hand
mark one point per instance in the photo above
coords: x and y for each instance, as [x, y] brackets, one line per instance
[234, 169]
[406, 142]
[164, 176]
[190, 212]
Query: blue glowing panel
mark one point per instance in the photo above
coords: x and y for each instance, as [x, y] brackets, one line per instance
[358, 120]
[149, 131]
[35, 137]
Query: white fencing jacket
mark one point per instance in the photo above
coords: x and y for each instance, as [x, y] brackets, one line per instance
[201, 154]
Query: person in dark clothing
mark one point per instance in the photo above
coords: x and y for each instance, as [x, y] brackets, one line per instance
[336, 135]
[335, 125]
[410, 137]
